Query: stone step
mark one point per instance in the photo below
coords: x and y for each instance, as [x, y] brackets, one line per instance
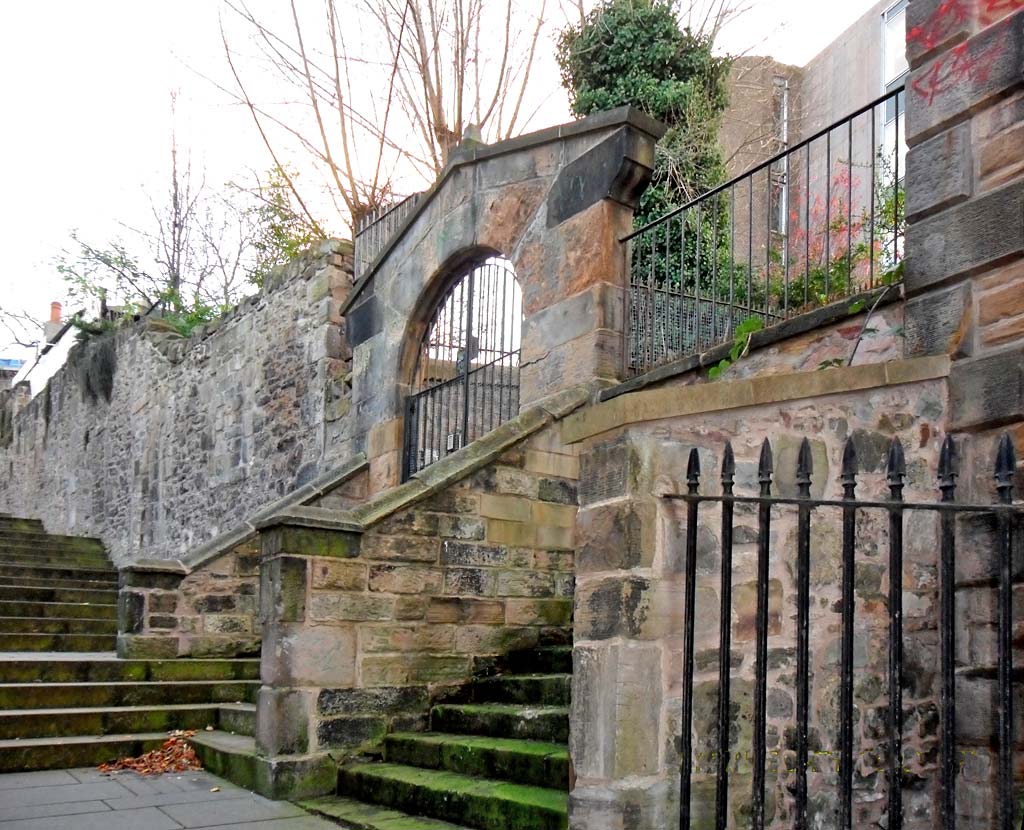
[78, 670]
[21, 593]
[13, 523]
[238, 718]
[53, 695]
[545, 660]
[67, 610]
[82, 543]
[523, 762]
[58, 642]
[57, 625]
[27, 754]
[230, 756]
[536, 689]
[30, 559]
[59, 575]
[503, 720]
[475, 802]
[111, 720]
[355, 815]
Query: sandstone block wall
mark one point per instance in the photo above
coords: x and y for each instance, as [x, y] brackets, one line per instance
[629, 602]
[364, 628]
[191, 435]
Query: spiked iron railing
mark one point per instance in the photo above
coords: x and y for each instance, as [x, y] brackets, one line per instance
[1007, 518]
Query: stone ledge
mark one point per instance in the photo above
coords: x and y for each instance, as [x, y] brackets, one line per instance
[655, 404]
[801, 324]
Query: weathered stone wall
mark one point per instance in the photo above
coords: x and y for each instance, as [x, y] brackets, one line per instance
[630, 559]
[965, 290]
[189, 436]
[372, 614]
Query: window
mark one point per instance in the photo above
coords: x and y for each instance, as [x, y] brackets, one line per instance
[894, 74]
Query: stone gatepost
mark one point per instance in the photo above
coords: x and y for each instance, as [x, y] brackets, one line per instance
[298, 658]
[965, 289]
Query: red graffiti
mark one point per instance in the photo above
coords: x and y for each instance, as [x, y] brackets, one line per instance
[957, 66]
[995, 9]
[945, 20]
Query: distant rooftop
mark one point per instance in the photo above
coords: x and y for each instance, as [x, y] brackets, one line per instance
[11, 363]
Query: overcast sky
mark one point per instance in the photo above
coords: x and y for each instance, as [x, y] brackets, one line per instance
[86, 118]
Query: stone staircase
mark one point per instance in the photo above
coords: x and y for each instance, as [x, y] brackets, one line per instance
[66, 700]
[495, 760]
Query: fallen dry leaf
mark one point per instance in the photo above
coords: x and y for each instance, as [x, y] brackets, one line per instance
[176, 755]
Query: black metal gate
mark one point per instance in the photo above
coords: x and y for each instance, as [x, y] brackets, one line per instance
[998, 545]
[466, 380]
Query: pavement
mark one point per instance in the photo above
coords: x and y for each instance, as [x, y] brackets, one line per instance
[86, 799]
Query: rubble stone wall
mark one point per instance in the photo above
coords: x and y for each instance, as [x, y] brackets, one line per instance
[157, 443]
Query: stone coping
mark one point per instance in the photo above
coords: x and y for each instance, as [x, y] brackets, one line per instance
[669, 402]
[441, 474]
[619, 117]
[801, 324]
[225, 542]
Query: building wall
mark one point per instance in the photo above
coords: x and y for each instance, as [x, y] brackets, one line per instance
[157, 444]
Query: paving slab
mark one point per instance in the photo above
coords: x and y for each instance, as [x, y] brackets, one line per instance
[87, 799]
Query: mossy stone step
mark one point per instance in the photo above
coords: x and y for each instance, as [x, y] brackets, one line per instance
[503, 720]
[17, 525]
[525, 762]
[21, 593]
[102, 577]
[31, 536]
[57, 625]
[57, 582]
[544, 660]
[112, 720]
[537, 689]
[30, 754]
[66, 610]
[76, 670]
[356, 815]
[50, 557]
[237, 718]
[14, 696]
[230, 756]
[475, 802]
[58, 642]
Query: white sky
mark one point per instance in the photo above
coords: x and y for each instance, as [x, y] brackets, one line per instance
[86, 120]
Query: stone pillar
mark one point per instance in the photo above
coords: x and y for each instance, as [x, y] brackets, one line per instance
[298, 660]
[965, 289]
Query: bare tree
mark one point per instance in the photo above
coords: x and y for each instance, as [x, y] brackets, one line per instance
[20, 329]
[400, 99]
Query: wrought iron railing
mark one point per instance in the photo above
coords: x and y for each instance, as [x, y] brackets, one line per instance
[872, 530]
[820, 221]
[375, 230]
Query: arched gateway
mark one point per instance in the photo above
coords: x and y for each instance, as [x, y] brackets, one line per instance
[466, 379]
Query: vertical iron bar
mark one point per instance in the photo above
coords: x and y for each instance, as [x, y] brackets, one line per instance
[650, 302]
[696, 278]
[725, 642]
[807, 227]
[896, 190]
[828, 213]
[947, 633]
[897, 470]
[690, 595]
[849, 480]
[764, 517]
[871, 240]
[463, 439]
[714, 273]
[768, 243]
[849, 209]
[785, 219]
[683, 327]
[732, 261]
[1006, 465]
[804, 470]
[750, 246]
